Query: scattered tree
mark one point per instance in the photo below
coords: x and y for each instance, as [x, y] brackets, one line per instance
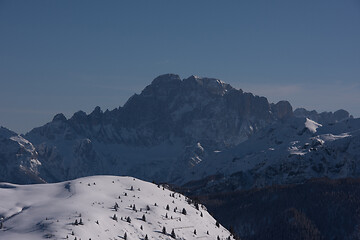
[183, 211]
[167, 207]
[115, 217]
[128, 219]
[146, 237]
[173, 234]
[194, 231]
[166, 216]
[81, 222]
[125, 236]
[164, 230]
[141, 227]
[147, 208]
[143, 218]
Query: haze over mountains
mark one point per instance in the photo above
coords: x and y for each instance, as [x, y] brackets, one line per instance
[200, 133]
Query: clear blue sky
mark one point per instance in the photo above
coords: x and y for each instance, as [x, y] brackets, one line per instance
[65, 56]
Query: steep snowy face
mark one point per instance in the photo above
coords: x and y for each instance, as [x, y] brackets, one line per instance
[286, 152]
[18, 159]
[102, 207]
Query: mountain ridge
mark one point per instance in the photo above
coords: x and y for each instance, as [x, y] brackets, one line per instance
[184, 130]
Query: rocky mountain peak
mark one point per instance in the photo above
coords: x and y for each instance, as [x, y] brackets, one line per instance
[166, 79]
[59, 118]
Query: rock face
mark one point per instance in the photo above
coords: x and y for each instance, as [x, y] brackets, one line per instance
[18, 159]
[164, 124]
[200, 132]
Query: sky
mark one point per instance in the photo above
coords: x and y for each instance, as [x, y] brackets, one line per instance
[64, 56]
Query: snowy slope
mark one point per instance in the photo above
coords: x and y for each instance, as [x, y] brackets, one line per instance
[51, 211]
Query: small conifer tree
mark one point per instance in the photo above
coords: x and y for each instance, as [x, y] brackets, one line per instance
[164, 230]
[173, 234]
[146, 237]
[143, 218]
[147, 208]
[184, 211]
[125, 236]
[128, 219]
[194, 231]
[167, 207]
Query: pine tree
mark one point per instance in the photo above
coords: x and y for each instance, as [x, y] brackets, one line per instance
[115, 217]
[201, 215]
[134, 208]
[128, 219]
[166, 216]
[147, 208]
[196, 206]
[167, 207]
[125, 236]
[173, 234]
[146, 237]
[194, 231]
[141, 227]
[143, 218]
[76, 222]
[132, 188]
[164, 230]
[207, 232]
[183, 211]
[81, 222]
[218, 238]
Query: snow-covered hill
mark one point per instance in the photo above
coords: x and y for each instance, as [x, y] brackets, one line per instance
[102, 207]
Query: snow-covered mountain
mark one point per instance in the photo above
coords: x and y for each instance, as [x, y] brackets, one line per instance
[18, 159]
[201, 133]
[102, 207]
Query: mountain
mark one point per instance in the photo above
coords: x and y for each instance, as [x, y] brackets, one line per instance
[165, 129]
[200, 134]
[317, 209]
[102, 207]
[18, 159]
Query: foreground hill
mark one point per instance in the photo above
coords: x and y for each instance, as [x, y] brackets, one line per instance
[102, 207]
[317, 209]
